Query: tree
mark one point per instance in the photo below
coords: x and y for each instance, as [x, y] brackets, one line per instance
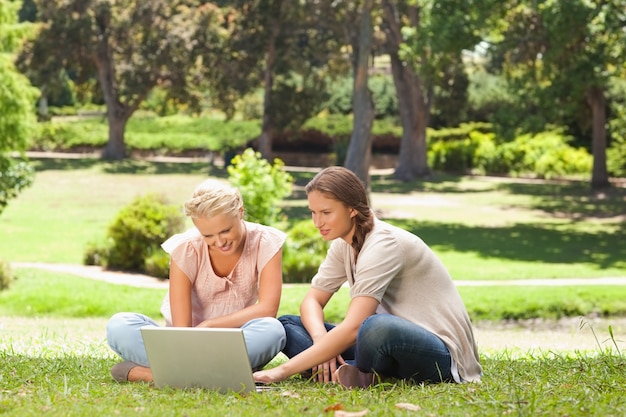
[361, 41]
[425, 40]
[284, 47]
[569, 51]
[17, 99]
[130, 46]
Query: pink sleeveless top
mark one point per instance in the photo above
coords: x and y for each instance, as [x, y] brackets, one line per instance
[211, 295]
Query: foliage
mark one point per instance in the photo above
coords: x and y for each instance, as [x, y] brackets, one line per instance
[130, 46]
[616, 154]
[303, 252]
[383, 94]
[545, 155]
[17, 97]
[171, 134]
[136, 234]
[6, 275]
[567, 63]
[262, 185]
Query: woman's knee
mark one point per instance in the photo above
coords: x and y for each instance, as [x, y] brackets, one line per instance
[274, 329]
[125, 326]
[377, 327]
[290, 320]
[117, 325]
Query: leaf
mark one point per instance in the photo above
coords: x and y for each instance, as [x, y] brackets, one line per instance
[341, 413]
[290, 394]
[335, 407]
[408, 406]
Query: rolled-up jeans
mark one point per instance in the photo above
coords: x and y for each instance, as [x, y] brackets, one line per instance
[388, 345]
[265, 337]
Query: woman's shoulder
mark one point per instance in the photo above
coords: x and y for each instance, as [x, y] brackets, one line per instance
[384, 231]
[190, 237]
[257, 231]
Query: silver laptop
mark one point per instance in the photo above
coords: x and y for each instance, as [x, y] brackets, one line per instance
[191, 357]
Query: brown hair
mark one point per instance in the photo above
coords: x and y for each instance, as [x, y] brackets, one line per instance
[343, 185]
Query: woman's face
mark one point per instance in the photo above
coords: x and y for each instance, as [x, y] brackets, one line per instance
[332, 218]
[223, 233]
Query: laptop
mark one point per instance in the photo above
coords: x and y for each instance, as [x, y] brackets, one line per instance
[192, 357]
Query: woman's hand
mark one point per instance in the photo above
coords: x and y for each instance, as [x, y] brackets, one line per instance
[325, 372]
[269, 376]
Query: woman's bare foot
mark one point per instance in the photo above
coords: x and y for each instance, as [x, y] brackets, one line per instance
[140, 374]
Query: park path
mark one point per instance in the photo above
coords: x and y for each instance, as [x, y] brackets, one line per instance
[140, 280]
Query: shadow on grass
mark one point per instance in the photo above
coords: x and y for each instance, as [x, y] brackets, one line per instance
[572, 200]
[129, 166]
[525, 242]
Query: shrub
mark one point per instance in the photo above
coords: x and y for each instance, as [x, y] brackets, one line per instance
[15, 176]
[158, 264]
[6, 275]
[547, 155]
[135, 235]
[303, 252]
[471, 148]
[262, 185]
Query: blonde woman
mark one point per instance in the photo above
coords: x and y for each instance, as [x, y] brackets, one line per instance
[225, 272]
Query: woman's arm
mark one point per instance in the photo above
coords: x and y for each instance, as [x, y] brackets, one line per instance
[270, 288]
[180, 296]
[327, 347]
[312, 312]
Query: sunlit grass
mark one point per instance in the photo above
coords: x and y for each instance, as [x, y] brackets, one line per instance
[482, 228]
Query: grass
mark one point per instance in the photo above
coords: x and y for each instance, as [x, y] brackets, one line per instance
[481, 228]
[37, 293]
[55, 361]
[75, 382]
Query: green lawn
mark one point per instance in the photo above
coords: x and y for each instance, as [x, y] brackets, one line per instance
[482, 228]
[55, 361]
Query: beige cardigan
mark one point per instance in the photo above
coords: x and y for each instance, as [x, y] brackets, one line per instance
[399, 270]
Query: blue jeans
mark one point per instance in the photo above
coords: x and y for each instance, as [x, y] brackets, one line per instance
[264, 337]
[387, 345]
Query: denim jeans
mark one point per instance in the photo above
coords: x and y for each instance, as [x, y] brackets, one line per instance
[387, 345]
[264, 337]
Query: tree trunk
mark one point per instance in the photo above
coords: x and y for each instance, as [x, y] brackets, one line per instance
[413, 102]
[360, 148]
[599, 175]
[117, 113]
[267, 126]
[115, 149]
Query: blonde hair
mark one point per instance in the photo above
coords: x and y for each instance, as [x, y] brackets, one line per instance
[213, 198]
[343, 185]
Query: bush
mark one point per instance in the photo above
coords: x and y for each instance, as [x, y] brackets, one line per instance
[303, 252]
[262, 185]
[470, 148]
[6, 275]
[15, 176]
[135, 236]
[158, 264]
[546, 155]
